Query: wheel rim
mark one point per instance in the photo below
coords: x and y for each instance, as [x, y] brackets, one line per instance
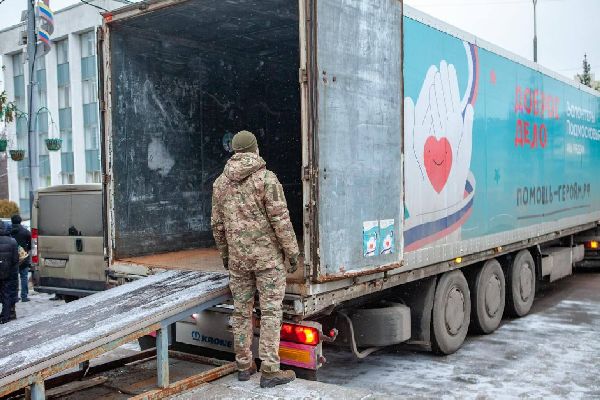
[455, 310]
[525, 281]
[493, 292]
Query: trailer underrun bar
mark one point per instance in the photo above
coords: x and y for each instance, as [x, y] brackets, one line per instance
[40, 346]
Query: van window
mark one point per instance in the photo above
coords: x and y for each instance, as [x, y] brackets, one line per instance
[57, 213]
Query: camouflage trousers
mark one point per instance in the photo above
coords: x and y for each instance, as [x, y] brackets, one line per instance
[271, 289]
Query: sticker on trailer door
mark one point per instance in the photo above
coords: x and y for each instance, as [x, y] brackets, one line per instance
[370, 236]
[386, 235]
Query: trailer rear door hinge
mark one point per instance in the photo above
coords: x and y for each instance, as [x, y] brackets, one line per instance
[106, 179]
[307, 173]
[303, 75]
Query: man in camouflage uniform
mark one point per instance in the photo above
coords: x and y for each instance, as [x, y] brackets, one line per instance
[252, 228]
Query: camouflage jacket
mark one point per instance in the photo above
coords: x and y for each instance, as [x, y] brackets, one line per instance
[250, 219]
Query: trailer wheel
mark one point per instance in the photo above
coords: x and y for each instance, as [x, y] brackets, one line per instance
[488, 297]
[520, 284]
[451, 313]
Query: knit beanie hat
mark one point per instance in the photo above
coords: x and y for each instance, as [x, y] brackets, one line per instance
[244, 142]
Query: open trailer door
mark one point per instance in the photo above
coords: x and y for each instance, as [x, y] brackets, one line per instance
[359, 137]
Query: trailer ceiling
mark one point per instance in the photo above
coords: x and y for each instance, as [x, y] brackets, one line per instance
[246, 26]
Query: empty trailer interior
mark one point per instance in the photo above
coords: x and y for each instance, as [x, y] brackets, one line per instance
[185, 79]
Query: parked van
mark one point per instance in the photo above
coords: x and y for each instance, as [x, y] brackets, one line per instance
[67, 224]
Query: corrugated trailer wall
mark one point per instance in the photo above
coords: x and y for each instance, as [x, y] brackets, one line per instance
[496, 149]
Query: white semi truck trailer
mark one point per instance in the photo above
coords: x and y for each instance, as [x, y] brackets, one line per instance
[433, 179]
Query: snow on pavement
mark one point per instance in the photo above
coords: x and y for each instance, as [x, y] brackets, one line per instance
[553, 353]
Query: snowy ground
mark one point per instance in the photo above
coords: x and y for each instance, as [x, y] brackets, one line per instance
[39, 303]
[553, 353]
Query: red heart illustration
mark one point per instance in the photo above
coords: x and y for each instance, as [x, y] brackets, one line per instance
[438, 161]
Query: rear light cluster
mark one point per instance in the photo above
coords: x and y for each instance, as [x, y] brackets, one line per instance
[34, 241]
[592, 245]
[300, 334]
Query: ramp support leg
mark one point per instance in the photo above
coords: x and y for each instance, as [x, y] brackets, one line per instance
[38, 391]
[162, 356]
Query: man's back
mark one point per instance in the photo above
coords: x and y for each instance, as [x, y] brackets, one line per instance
[250, 217]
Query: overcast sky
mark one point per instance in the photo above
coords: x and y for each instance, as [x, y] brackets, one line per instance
[566, 28]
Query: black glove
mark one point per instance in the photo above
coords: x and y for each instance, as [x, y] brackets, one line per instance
[226, 263]
[293, 264]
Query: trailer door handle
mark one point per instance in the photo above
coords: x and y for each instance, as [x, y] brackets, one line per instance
[79, 245]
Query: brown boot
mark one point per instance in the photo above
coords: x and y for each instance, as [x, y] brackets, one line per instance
[244, 375]
[272, 379]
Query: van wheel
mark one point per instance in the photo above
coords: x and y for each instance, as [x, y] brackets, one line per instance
[451, 313]
[520, 284]
[488, 297]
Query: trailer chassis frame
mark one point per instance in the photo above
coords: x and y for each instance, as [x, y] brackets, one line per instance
[298, 307]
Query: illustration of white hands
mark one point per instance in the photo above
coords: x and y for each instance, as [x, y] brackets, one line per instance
[438, 143]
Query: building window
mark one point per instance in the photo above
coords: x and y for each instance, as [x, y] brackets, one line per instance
[42, 122]
[90, 106]
[64, 112]
[62, 52]
[40, 75]
[21, 126]
[68, 178]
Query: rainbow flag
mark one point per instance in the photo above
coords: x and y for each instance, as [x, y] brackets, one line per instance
[46, 27]
[45, 12]
[44, 37]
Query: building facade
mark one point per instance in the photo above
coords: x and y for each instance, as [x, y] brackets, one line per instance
[68, 102]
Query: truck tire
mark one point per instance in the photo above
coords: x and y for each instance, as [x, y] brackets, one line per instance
[385, 324]
[488, 297]
[451, 313]
[520, 284]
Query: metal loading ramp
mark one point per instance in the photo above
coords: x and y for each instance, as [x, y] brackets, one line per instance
[34, 348]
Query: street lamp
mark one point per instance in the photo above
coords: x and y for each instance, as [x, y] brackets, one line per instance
[534, 31]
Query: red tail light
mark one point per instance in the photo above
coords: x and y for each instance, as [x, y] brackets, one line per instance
[34, 240]
[592, 245]
[300, 334]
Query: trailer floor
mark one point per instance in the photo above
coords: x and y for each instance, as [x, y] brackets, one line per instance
[189, 260]
[208, 260]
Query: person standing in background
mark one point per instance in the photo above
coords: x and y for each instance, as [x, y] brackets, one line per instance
[23, 238]
[9, 272]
